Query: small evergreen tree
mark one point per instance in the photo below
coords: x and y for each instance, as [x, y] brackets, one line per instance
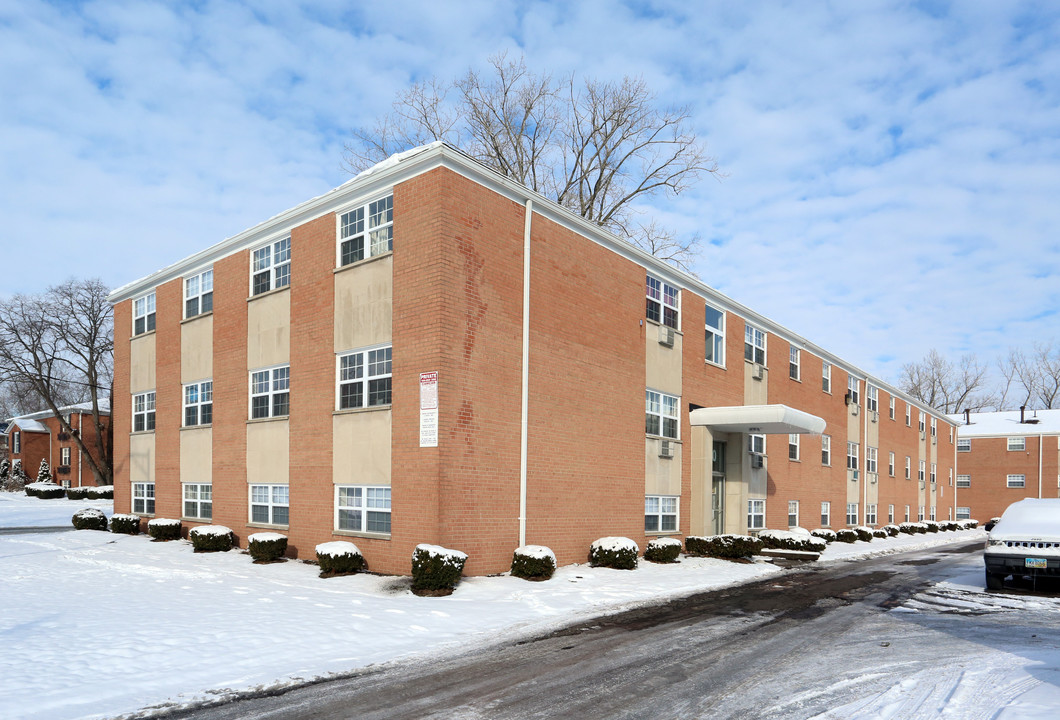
[45, 472]
[5, 469]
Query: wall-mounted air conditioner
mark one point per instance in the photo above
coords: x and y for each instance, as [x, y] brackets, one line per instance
[758, 460]
[666, 336]
[666, 449]
[875, 416]
[759, 372]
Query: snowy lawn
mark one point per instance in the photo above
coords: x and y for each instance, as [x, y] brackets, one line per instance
[96, 624]
[20, 510]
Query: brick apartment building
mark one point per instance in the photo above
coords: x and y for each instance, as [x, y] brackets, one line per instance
[1006, 456]
[433, 353]
[40, 436]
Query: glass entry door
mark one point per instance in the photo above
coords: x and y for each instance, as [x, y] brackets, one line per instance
[717, 490]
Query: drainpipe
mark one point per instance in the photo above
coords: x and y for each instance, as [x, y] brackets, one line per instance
[1041, 439]
[80, 424]
[865, 461]
[526, 372]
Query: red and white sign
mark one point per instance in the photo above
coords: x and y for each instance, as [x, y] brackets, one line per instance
[429, 409]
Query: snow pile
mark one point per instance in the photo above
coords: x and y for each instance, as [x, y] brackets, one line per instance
[537, 552]
[210, 530]
[263, 537]
[614, 544]
[337, 548]
[1027, 517]
[99, 491]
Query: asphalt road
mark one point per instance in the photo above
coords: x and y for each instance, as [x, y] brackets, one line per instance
[791, 646]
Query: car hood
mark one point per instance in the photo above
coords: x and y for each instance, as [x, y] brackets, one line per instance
[1030, 519]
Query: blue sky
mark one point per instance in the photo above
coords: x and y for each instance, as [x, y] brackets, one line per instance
[893, 169]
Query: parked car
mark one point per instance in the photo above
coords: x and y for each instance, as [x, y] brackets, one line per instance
[1024, 542]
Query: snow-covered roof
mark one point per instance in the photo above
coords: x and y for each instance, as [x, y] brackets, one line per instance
[1007, 423]
[85, 407]
[26, 424]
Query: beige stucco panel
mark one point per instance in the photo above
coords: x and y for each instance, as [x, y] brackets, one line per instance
[268, 452]
[142, 457]
[662, 363]
[755, 392]
[361, 453]
[662, 476]
[364, 304]
[737, 490]
[196, 455]
[142, 363]
[269, 330]
[196, 349]
[699, 516]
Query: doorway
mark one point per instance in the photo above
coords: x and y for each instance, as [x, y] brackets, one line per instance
[717, 490]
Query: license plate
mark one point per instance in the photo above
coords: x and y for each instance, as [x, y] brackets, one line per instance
[1035, 562]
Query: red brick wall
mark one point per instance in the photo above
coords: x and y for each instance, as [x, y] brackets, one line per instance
[169, 303]
[121, 406]
[990, 462]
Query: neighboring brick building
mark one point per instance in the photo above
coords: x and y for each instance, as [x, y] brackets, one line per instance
[1006, 456]
[40, 436]
[380, 364]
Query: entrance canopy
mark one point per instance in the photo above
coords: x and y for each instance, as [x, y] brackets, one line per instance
[763, 419]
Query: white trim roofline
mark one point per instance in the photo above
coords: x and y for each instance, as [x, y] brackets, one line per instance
[406, 165]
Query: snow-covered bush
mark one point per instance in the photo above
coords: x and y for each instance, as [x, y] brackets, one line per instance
[970, 524]
[45, 490]
[931, 526]
[948, 525]
[77, 493]
[723, 546]
[436, 570]
[825, 534]
[891, 530]
[211, 538]
[125, 524]
[44, 474]
[788, 540]
[162, 529]
[619, 553]
[90, 519]
[267, 547]
[339, 558]
[16, 479]
[5, 469]
[864, 533]
[533, 562]
[907, 528]
[101, 492]
[879, 533]
[663, 550]
[845, 535]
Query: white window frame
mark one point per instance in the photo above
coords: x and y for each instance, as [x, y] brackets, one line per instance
[662, 513]
[906, 513]
[663, 302]
[65, 454]
[144, 314]
[964, 513]
[144, 494]
[198, 289]
[964, 444]
[1017, 480]
[277, 384]
[934, 427]
[852, 455]
[276, 497]
[871, 459]
[920, 513]
[16, 442]
[369, 223]
[198, 497]
[908, 416]
[272, 262]
[921, 470]
[198, 398]
[754, 344]
[908, 468]
[964, 481]
[367, 373]
[931, 513]
[794, 363]
[890, 464]
[662, 409]
[826, 513]
[890, 408]
[933, 474]
[715, 337]
[921, 425]
[793, 446]
[826, 377]
[793, 513]
[374, 500]
[854, 388]
[756, 513]
[890, 514]
[1017, 444]
[826, 450]
[144, 411]
[870, 513]
[872, 393]
[852, 514]
[756, 443]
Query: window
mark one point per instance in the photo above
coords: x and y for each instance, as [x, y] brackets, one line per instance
[270, 392]
[144, 314]
[854, 390]
[660, 414]
[933, 475]
[16, 442]
[756, 444]
[660, 513]
[964, 444]
[964, 513]
[890, 408]
[931, 513]
[908, 417]
[380, 238]
[826, 450]
[1017, 481]
[793, 363]
[754, 345]
[920, 470]
[852, 513]
[920, 514]
[852, 456]
[920, 423]
[934, 427]
[756, 514]
[873, 395]
[870, 459]
[826, 377]
[198, 403]
[365, 378]
[272, 267]
[1017, 443]
[662, 303]
[870, 513]
[890, 514]
[64, 457]
[198, 501]
[907, 513]
[964, 481]
[144, 412]
[793, 513]
[143, 498]
[793, 447]
[890, 464]
[198, 294]
[908, 468]
[715, 336]
[362, 508]
[270, 504]
[826, 513]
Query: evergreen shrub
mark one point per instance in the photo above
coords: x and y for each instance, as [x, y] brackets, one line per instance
[339, 558]
[211, 538]
[267, 547]
[436, 570]
[614, 552]
[662, 550]
[90, 519]
[533, 562]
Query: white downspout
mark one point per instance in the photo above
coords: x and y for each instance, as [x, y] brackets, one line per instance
[526, 373]
[80, 434]
[865, 460]
[1041, 439]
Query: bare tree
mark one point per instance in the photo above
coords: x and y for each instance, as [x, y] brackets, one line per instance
[1040, 374]
[58, 347]
[948, 387]
[597, 148]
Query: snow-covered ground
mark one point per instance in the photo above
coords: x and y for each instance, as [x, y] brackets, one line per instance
[19, 510]
[95, 624]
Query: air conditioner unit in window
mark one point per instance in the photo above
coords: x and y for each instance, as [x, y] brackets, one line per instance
[759, 372]
[758, 460]
[934, 440]
[875, 416]
[666, 449]
[857, 409]
[666, 336]
[848, 398]
[873, 477]
[854, 477]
